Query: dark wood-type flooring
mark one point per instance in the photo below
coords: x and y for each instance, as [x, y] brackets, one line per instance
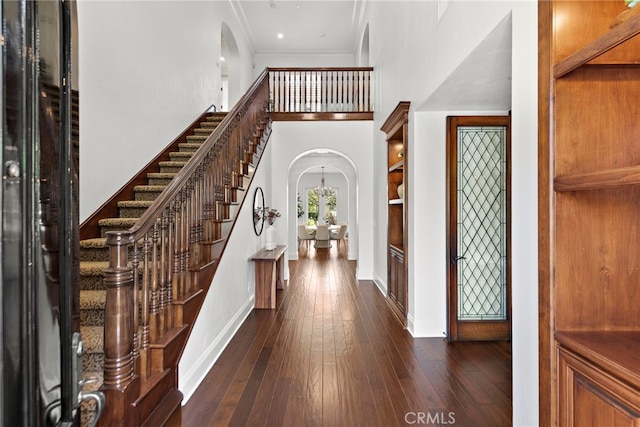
[332, 354]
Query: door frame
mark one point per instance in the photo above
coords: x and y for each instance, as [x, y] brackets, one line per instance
[486, 330]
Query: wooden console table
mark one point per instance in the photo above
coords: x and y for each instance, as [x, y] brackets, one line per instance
[269, 275]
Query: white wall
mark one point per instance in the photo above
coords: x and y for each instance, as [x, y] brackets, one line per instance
[231, 296]
[142, 81]
[410, 65]
[261, 61]
[352, 139]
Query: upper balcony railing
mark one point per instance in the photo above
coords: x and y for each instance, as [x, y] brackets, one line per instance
[321, 93]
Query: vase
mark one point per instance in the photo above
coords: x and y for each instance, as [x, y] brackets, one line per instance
[270, 237]
[401, 190]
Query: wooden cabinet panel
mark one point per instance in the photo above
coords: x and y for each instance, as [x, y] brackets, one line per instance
[397, 283]
[590, 396]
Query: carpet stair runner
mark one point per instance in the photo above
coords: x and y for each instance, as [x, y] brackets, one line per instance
[94, 257]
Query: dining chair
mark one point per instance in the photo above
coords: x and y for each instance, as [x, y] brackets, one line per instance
[340, 234]
[304, 235]
[323, 239]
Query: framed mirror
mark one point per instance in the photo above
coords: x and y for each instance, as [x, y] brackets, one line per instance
[258, 208]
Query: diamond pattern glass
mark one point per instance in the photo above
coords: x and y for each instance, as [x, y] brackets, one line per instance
[482, 223]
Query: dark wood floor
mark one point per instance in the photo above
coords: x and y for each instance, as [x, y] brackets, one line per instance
[332, 354]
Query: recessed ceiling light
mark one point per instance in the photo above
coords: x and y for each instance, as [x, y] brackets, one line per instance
[222, 58]
[321, 34]
[280, 35]
[272, 5]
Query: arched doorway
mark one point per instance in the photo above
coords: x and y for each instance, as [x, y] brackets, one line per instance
[304, 173]
[364, 48]
[229, 64]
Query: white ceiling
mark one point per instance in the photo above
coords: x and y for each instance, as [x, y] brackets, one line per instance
[307, 26]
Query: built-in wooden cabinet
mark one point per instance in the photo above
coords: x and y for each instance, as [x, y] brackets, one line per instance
[589, 218]
[396, 129]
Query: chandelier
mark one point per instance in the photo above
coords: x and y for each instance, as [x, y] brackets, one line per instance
[322, 190]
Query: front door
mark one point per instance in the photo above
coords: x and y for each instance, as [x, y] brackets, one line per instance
[478, 231]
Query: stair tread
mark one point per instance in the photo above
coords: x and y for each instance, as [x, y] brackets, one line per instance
[93, 299]
[172, 163]
[113, 222]
[190, 145]
[161, 174]
[93, 338]
[92, 268]
[149, 188]
[181, 154]
[95, 243]
[135, 203]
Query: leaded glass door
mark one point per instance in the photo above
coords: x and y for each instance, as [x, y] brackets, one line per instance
[479, 228]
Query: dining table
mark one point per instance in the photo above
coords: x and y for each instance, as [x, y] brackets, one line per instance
[312, 228]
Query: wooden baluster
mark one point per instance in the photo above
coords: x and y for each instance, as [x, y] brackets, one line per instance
[323, 91]
[173, 260]
[146, 309]
[369, 102]
[165, 268]
[345, 91]
[200, 206]
[353, 92]
[304, 91]
[157, 320]
[318, 91]
[279, 91]
[135, 265]
[208, 190]
[195, 228]
[186, 244]
[180, 244]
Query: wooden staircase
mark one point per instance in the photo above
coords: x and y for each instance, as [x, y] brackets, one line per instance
[149, 254]
[94, 253]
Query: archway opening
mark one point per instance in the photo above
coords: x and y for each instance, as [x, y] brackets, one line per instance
[229, 63]
[338, 206]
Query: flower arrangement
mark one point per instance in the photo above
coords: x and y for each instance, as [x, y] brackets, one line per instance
[270, 215]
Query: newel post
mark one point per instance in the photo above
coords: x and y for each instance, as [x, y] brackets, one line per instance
[121, 385]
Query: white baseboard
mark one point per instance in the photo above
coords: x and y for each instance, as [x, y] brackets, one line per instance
[410, 324]
[191, 379]
[382, 287]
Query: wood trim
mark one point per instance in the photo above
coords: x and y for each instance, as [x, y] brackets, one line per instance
[619, 34]
[109, 209]
[396, 119]
[598, 180]
[290, 117]
[320, 68]
[547, 396]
